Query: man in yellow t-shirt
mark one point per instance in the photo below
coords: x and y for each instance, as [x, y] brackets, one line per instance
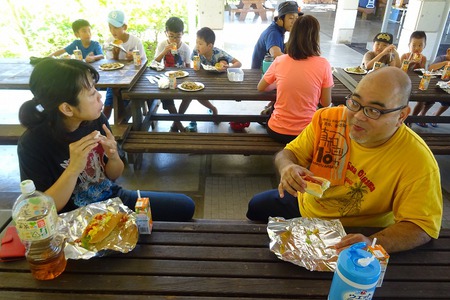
[382, 174]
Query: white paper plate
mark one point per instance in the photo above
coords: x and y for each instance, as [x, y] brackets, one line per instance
[114, 66]
[201, 87]
[353, 72]
[185, 74]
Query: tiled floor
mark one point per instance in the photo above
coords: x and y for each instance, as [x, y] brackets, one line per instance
[221, 185]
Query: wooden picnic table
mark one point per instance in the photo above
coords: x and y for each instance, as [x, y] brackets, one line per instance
[345, 84]
[220, 259]
[15, 74]
[432, 94]
[217, 87]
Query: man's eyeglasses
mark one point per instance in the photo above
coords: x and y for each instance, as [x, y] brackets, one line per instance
[370, 112]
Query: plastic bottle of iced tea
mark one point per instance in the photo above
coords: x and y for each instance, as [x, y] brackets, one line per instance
[36, 221]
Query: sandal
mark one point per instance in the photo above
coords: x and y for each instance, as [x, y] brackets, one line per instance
[424, 125]
[434, 125]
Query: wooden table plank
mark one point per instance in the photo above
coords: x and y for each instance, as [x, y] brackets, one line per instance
[213, 260]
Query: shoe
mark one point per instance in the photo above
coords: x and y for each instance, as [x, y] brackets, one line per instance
[434, 125]
[192, 127]
[424, 125]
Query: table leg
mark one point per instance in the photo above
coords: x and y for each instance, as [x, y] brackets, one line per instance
[262, 12]
[118, 106]
[244, 11]
[136, 112]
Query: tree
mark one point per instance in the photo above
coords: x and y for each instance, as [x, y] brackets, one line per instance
[38, 28]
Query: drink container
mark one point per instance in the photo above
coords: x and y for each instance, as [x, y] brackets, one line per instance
[405, 65]
[174, 49]
[382, 256]
[78, 54]
[196, 60]
[172, 81]
[377, 65]
[268, 60]
[137, 58]
[446, 72]
[36, 221]
[356, 275]
[425, 81]
[144, 219]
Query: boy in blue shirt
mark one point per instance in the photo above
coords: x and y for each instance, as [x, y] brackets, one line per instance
[91, 50]
[209, 55]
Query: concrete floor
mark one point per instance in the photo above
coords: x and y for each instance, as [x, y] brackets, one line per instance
[221, 185]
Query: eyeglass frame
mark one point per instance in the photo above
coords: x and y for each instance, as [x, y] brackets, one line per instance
[178, 37]
[363, 108]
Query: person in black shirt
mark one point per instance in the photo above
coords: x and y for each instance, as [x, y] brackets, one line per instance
[68, 149]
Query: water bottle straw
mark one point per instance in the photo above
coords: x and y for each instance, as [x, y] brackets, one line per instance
[139, 194]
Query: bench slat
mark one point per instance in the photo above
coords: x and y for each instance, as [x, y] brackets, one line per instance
[232, 143]
[10, 133]
[201, 143]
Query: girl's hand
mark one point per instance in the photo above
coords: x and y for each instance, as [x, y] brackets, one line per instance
[80, 149]
[109, 143]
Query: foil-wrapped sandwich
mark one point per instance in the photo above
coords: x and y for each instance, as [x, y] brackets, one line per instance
[307, 242]
[98, 229]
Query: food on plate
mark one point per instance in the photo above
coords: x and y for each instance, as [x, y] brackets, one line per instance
[118, 42]
[191, 86]
[100, 227]
[316, 185]
[111, 66]
[357, 69]
[178, 74]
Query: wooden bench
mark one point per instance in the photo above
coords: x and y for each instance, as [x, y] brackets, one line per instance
[439, 143]
[197, 143]
[138, 142]
[10, 133]
[234, 9]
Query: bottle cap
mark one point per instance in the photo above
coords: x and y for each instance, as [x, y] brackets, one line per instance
[349, 264]
[27, 186]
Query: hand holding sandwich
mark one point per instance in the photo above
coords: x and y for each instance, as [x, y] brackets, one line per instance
[295, 178]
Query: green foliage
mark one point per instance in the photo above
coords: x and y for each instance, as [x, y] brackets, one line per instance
[38, 28]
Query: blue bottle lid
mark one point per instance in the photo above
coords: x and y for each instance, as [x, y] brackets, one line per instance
[355, 271]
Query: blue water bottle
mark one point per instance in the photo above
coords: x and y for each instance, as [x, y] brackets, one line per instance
[268, 59]
[356, 274]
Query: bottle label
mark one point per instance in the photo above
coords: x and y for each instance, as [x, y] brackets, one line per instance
[31, 228]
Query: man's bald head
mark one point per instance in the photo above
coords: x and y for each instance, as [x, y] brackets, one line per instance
[392, 80]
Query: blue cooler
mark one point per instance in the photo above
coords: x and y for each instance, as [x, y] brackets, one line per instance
[352, 279]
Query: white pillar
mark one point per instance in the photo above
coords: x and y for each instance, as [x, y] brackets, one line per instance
[210, 13]
[344, 23]
[425, 15]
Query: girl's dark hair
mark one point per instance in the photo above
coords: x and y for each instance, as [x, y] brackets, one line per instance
[53, 82]
[207, 35]
[304, 38]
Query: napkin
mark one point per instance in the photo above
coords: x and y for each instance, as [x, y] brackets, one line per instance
[163, 83]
